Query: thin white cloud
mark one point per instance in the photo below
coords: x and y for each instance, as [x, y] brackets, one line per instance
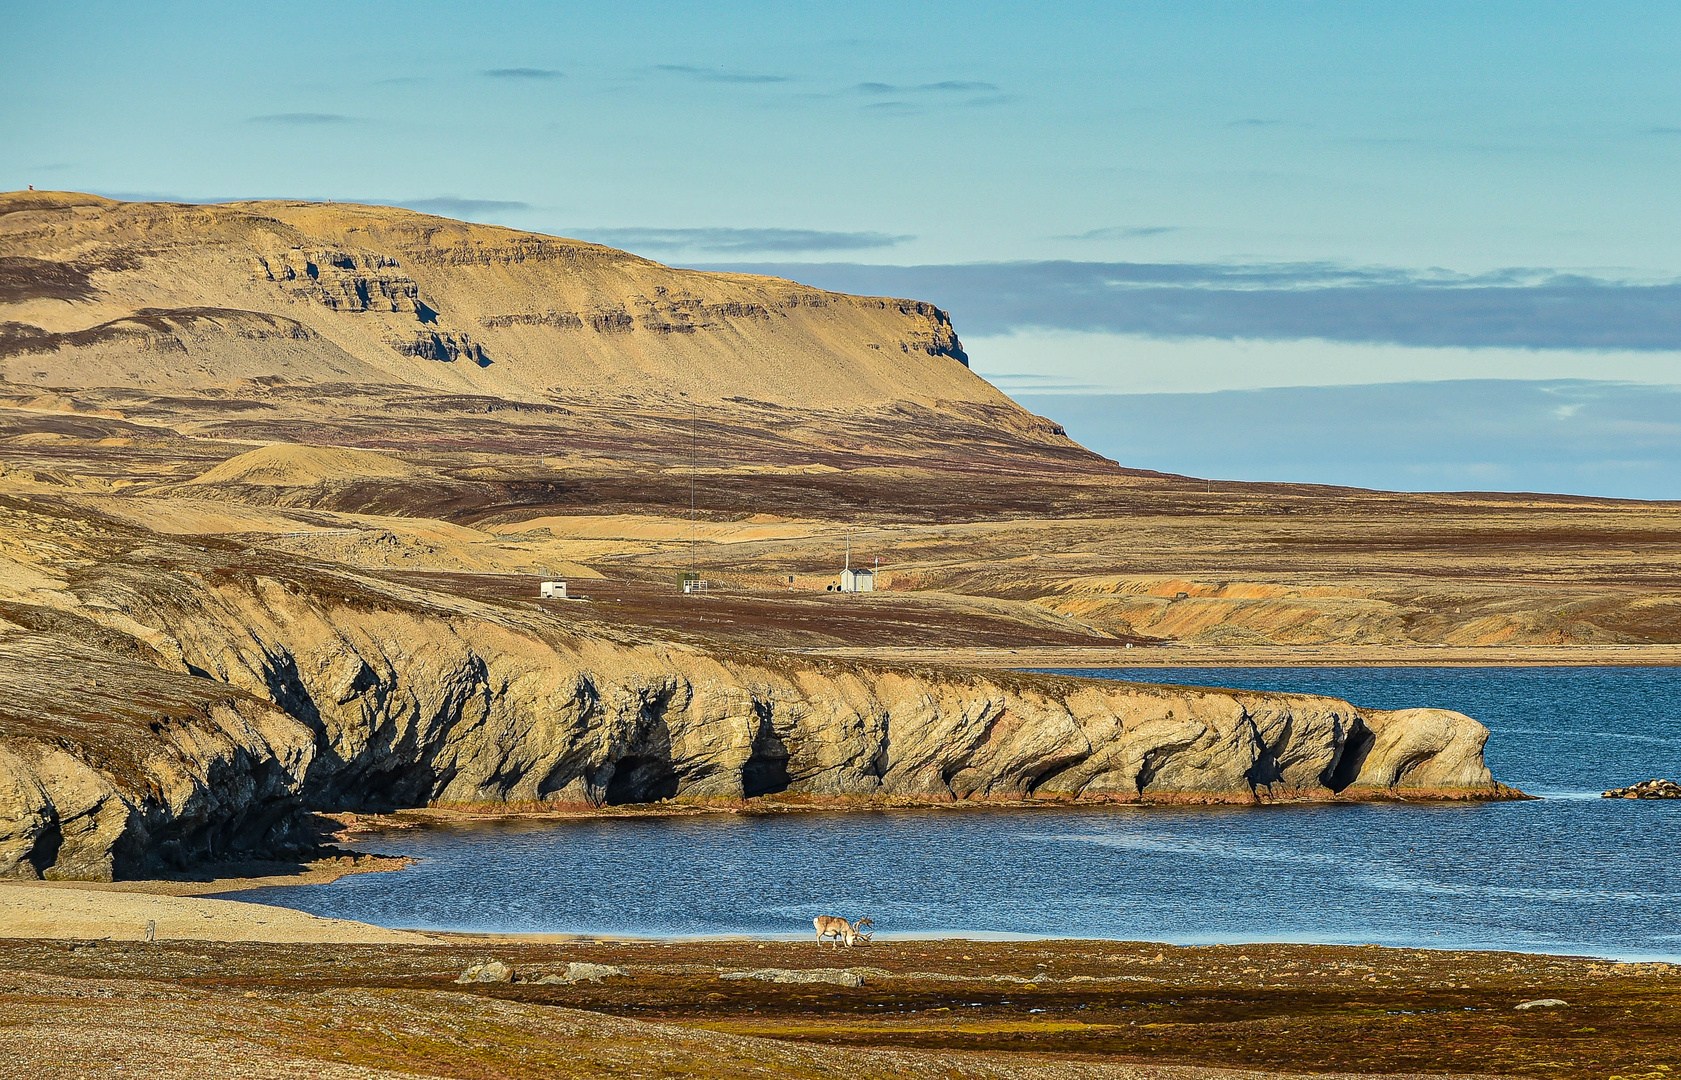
[1120, 232]
[714, 75]
[457, 207]
[303, 119]
[949, 86]
[523, 73]
[1135, 364]
[727, 241]
[1526, 308]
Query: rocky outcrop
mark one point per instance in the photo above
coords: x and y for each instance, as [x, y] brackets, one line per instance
[836, 976]
[1646, 789]
[109, 768]
[487, 971]
[577, 972]
[249, 698]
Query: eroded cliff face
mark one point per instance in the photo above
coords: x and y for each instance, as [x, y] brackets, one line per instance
[95, 292]
[110, 767]
[171, 706]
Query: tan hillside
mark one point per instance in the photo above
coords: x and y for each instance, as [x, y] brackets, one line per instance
[284, 465]
[95, 292]
[381, 389]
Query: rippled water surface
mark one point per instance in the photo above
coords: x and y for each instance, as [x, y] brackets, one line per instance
[1570, 873]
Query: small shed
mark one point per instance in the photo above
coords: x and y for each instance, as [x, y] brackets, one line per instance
[857, 580]
[554, 589]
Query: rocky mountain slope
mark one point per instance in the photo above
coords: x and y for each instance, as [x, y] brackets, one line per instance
[167, 701]
[95, 292]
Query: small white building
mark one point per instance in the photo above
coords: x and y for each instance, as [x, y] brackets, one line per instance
[554, 589]
[857, 580]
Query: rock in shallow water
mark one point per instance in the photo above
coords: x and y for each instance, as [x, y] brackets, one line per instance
[1646, 789]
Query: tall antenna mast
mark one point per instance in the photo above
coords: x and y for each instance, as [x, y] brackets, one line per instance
[694, 437]
[848, 551]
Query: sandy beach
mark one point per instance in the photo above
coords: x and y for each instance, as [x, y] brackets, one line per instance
[56, 911]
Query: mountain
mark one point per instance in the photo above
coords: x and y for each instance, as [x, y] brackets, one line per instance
[95, 292]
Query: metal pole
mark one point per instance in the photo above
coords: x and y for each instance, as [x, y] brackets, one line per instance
[694, 442]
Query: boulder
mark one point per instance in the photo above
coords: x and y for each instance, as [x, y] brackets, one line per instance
[577, 973]
[487, 971]
[837, 976]
[1541, 1003]
[1646, 789]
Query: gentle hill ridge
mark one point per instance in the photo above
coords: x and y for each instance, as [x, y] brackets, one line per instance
[291, 465]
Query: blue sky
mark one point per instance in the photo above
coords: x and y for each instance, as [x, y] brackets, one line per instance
[1111, 198]
[1569, 435]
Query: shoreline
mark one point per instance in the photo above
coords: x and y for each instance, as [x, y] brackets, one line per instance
[53, 911]
[354, 824]
[217, 878]
[1005, 937]
[50, 911]
[1099, 657]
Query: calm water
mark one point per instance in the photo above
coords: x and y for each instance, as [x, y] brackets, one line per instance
[1572, 873]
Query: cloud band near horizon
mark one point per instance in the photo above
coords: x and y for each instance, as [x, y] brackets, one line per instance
[1513, 309]
[724, 241]
[1571, 436]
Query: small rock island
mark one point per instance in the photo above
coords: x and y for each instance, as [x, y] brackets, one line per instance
[1646, 789]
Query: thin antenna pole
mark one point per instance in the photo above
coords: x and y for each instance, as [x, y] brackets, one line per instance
[848, 551]
[694, 443]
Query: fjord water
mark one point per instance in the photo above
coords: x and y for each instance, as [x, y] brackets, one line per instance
[1571, 873]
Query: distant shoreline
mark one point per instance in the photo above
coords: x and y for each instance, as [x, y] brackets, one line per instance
[1098, 657]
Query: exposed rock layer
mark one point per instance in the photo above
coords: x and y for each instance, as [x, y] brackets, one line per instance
[183, 711]
[95, 292]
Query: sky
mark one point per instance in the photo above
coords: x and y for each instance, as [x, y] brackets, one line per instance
[1115, 201]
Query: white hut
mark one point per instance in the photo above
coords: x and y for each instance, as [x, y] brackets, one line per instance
[856, 580]
[552, 589]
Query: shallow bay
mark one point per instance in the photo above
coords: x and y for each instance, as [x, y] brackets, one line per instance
[1568, 873]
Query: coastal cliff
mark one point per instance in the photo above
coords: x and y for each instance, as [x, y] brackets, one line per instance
[166, 703]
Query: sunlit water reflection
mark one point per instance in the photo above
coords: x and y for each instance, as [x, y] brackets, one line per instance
[1569, 873]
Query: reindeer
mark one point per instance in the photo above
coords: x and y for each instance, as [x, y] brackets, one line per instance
[841, 930]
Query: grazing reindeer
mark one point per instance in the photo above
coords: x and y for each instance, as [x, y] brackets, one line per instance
[838, 928]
